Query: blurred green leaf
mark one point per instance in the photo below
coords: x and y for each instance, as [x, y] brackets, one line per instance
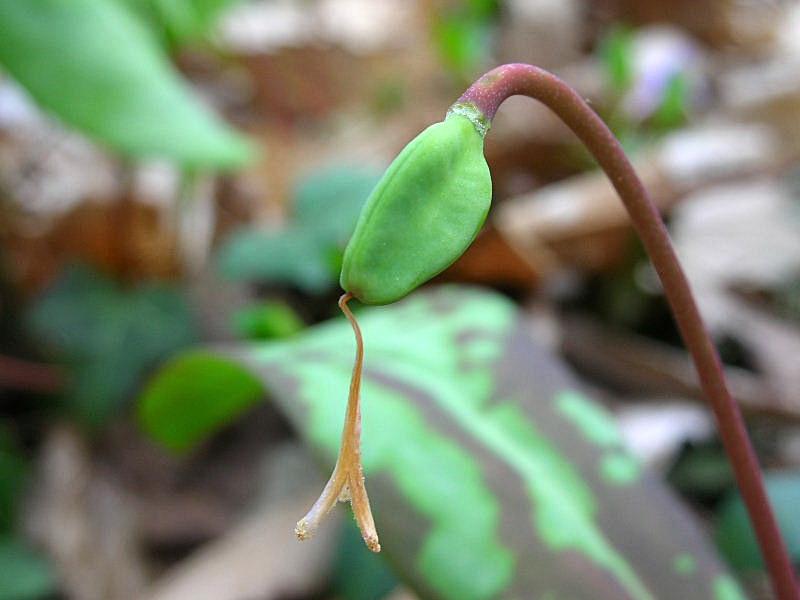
[292, 256]
[462, 43]
[181, 21]
[673, 109]
[329, 201]
[97, 67]
[490, 473]
[358, 573]
[702, 473]
[307, 253]
[13, 477]
[266, 321]
[108, 336]
[463, 33]
[389, 96]
[193, 396]
[25, 576]
[734, 533]
[616, 56]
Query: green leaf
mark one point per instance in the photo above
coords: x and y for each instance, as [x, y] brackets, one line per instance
[181, 21]
[93, 64]
[462, 35]
[307, 253]
[292, 256]
[329, 201]
[734, 534]
[108, 336]
[268, 320]
[358, 573]
[616, 56]
[25, 576]
[13, 477]
[193, 396]
[674, 106]
[491, 475]
[703, 473]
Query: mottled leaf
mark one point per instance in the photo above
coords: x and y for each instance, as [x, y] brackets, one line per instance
[491, 473]
[96, 66]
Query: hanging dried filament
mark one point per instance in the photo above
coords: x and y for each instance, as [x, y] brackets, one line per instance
[347, 481]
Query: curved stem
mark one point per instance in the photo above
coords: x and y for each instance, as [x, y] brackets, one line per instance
[519, 79]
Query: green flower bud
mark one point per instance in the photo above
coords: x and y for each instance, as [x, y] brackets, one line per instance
[423, 214]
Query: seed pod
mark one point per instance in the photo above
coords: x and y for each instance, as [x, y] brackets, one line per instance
[422, 215]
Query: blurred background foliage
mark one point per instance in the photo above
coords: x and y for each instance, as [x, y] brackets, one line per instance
[178, 179]
[107, 337]
[181, 22]
[307, 251]
[96, 66]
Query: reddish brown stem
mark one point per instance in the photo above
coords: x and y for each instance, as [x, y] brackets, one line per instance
[519, 79]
